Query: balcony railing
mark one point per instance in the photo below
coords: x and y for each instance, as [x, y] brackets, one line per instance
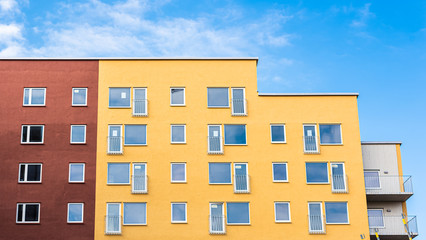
[115, 145]
[241, 184]
[388, 188]
[140, 184]
[214, 145]
[239, 107]
[316, 224]
[392, 226]
[310, 144]
[140, 107]
[217, 224]
[112, 225]
[339, 184]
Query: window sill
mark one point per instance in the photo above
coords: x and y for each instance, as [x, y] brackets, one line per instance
[79, 105]
[32, 143]
[136, 224]
[120, 107]
[34, 105]
[235, 144]
[32, 223]
[337, 223]
[20, 182]
[178, 182]
[177, 105]
[220, 183]
[179, 222]
[178, 143]
[75, 223]
[77, 143]
[220, 107]
[76, 182]
[135, 145]
[319, 183]
[280, 181]
[278, 142]
[118, 184]
[282, 221]
[331, 144]
[238, 224]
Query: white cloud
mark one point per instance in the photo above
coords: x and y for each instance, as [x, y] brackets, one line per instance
[10, 32]
[7, 5]
[364, 14]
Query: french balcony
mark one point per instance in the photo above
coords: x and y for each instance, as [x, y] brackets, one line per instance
[316, 224]
[339, 184]
[112, 225]
[241, 184]
[239, 107]
[310, 145]
[115, 145]
[217, 224]
[139, 184]
[214, 145]
[140, 108]
[386, 188]
[392, 227]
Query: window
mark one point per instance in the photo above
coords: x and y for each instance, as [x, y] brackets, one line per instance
[113, 218]
[316, 172]
[178, 134]
[336, 213]
[277, 133]
[79, 97]
[178, 172]
[139, 178]
[215, 139]
[134, 134]
[78, 134]
[28, 213]
[76, 174]
[241, 178]
[282, 212]
[178, 212]
[238, 213]
[330, 134]
[140, 102]
[238, 102]
[134, 214]
[30, 173]
[32, 134]
[375, 218]
[372, 179]
[34, 96]
[220, 173]
[177, 96]
[338, 177]
[235, 135]
[119, 97]
[310, 138]
[75, 212]
[118, 173]
[217, 218]
[279, 172]
[217, 97]
[114, 139]
[316, 221]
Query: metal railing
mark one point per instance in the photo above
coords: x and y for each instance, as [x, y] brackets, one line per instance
[239, 107]
[339, 184]
[112, 225]
[217, 224]
[140, 107]
[241, 184]
[310, 144]
[140, 184]
[214, 145]
[388, 184]
[392, 225]
[115, 145]
[316, 224]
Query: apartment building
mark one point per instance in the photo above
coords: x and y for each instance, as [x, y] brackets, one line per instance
[48, 144]
[387, 191]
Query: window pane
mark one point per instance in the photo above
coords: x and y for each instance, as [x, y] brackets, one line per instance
[330, 134]
[375, 218]
[238, 213]
[217, 97]
[76, 172]
[24, 133]
[33, 172]
[178, 172]
[177, 96]
[26, 96]
[118, 173]
[135, 134]
[372, 179]
[336, 212]
[37, 96]
[235, 134]
[282, 212]
[31, 212]
[179, 212]
[316, 173]
[134, 213]
[178, 134]
[36, 133]
[219, 173]
[280, 171]
[119, 97]
[22, 172]
[75, 212]
[277, 134]
[79, 96]
[78, 134]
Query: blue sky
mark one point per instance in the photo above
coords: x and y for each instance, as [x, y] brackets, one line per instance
[376, 48]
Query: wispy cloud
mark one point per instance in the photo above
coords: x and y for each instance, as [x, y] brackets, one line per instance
[364, 14]
[7, 5]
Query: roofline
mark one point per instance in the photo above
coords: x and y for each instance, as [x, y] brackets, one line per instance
[307, 94]
[381, 143]
[130, 58]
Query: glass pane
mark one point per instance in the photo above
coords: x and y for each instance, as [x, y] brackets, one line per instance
[277, 134]
[235, 134]
[75, 212]
[178, 134]
[113, 209]
[31, 212]
[179, 212]
[76, 172]
[118, 173]
[219, 173]
[134, 213]
[135, 134]
[26, 96]
[33, 172]
[24, 133]
[310, 138]
[79, 96]
[140, 94]
[217, 97]
[336, 212]
[316, 172]
[114, 131]
[22, 172]
[216, 209]
[78, 134]
[177, 96]
[178, 172]
[37, 96]
[280, 172]
[139, 169]
[338, 176]
[238, 94]
[282, 212]
[20, 209]
[119, 97]
[372, 179]
[315, 209]
[330, 134]
[36, 133]
[238, 212]
[113, 217]
[375, 218]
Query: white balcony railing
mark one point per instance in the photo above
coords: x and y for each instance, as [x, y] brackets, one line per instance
[214, 145]
[388, 184]
[115, 145]
[140, 184]
[112, 225]
[339, 184]
[392, 225]
[239, 107]
[217, 224]
[241, 184]
[316, 224]
[140, 107]
[310, 144]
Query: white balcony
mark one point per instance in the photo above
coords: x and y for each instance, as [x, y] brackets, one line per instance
[139, 184]
[112, 225]
[392, 227]
[217, 224]
[140, 107]
[388, 188]
[339, 184]
[239, 107]
[316, 224]
[115, 145]
[214, 145]
[241, 184]
[310, 144]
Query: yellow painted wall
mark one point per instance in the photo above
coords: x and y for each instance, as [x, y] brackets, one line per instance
[196, 75]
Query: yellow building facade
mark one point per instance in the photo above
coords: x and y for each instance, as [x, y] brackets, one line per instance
[159, 114]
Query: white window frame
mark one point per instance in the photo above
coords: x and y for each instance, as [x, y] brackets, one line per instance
[383, 218]
[230, 174]
[85, 128]
[186, 212]
[171, 133]
[69, 172]
[130, 98]
[221, 140]
[227, 106]
[184, 97]
[72, 98]
[26, 173]
[131, 144]
[121, 138]
[286, 169]
[133, 102]
[341, 135]
[82, 213]
[318, 183]
[247, 178]
[119, 215]
[244, 101]
[30, 92]
[378, 176]
[275, 212]
[136, 224]
[322, 216]
[347, 211]
[145, 174]
[278, 124]
[171, 172]
[238, 224]
[130, 173]
[28, 134]
[23, 212]
[223, 215]
[344, 176]
[316, 138]
[224, 135]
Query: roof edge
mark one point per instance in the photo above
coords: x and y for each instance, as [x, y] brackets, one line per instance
[308, 94]
[380, 142]
[130, 58]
